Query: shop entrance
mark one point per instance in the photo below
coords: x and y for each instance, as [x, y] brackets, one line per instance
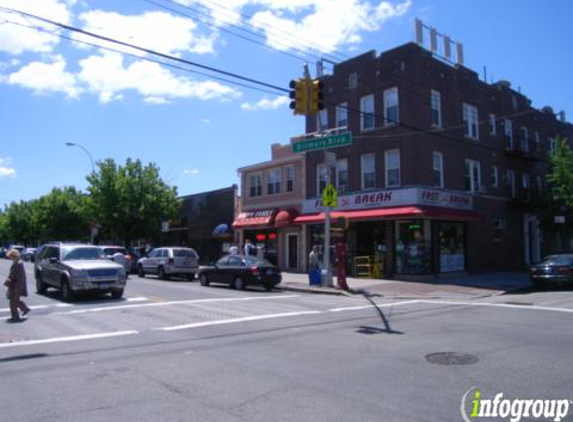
[371, 248]
[413, 247]
[292, 251]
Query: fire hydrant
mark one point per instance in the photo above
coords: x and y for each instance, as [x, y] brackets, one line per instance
[341, 266]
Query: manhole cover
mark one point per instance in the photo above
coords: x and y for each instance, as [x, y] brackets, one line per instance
[451, 358]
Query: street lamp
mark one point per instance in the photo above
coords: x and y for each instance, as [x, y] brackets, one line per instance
[72, 144]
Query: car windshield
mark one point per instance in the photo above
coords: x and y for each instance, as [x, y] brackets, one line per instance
[558, 260]
[87, 252]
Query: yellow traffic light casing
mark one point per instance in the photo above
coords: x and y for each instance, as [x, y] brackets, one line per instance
[316, 96]
[299, 95]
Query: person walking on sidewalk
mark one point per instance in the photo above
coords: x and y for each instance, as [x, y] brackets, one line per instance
[16, 283]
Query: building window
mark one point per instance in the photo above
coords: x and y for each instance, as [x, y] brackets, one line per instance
[525, 181]
[495, 177]
[342, 175]
[322, 119]
[391, 112]
[492, 125]
[438, 169]
[539, 183]
[289, 178]
[511, 182]
[367, 112]
[274, 181]
[508, 133]
[342, 115]
[368, 170]
[255, 184]
[472, 176]
[353, 81]
[550, 145]
[436, 107]
[537, 141]
[470, 117]
[392, 164]
[524, 139]
[321, 177]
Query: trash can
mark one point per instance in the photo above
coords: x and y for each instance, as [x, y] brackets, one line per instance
[314, 277]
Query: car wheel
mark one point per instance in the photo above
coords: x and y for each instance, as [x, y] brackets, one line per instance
[117, 294]
[140, 272]
[239, 284]
[161, 274]
[203, 279]
[40, 285]
[67, 293]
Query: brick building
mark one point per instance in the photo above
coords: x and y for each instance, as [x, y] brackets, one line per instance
[443, 172]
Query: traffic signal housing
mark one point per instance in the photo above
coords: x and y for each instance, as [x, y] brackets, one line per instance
[316, 96]
[299, 95]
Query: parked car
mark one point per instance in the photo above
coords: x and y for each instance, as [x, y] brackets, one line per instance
[554, 269]
[28, 254]
[19, 248]
[239, 271]
[74, 268]
[168, 261]
[118, 254]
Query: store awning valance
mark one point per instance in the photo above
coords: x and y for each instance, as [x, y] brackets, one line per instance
[255, 218]
[393, 212]
[285, 217]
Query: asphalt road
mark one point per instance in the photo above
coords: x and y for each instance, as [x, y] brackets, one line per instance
[176, 351]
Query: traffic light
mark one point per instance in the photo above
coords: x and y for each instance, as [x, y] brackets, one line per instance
[299, 96]
[316, 96]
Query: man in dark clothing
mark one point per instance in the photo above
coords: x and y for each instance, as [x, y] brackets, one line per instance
[16, 283]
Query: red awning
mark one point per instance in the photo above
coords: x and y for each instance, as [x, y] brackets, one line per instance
[255, 218]
[285, 217]
[394, 212]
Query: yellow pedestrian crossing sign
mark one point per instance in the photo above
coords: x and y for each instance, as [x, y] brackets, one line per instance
[329, 196]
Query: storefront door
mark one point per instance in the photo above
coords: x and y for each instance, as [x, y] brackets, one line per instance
[292, 251]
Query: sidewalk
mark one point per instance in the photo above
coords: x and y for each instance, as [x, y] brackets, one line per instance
[460, 287]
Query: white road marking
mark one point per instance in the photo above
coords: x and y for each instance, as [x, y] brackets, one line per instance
[169, 303]
[69, 338]
[68, 305]
[379, 305]
[501, 305]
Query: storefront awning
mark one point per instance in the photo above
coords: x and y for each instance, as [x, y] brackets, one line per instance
[285, 217]
[221, 230]
[255, 218]
[394, 212]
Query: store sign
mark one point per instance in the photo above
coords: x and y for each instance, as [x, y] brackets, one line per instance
[395, 198]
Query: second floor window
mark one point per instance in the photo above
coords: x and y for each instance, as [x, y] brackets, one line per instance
[472, 176]
[495, 177]
[273, 181]
[550, 145]
[368, 171]
[525, 181]
[342, 115]
[255, 185]
[392, 163]
[367, 112]
[508, 133]
[322, 119]
[391, 110]
[510, 178]
[289, 178]
[321, 177]
[438, 169]
[492, 125]
[342, 175]
[470, 117]
[436, 108]
[524, 139]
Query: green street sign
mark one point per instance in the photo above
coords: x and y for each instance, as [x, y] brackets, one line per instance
[323, 142]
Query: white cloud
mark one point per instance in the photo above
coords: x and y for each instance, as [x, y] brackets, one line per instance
[45, 78]
[266, 104]
[191, 172]
[206, 121]
[6, 169]
[108, 76]
[17, 39]
[157, 31]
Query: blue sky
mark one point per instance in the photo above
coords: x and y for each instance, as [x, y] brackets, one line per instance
[199, 130]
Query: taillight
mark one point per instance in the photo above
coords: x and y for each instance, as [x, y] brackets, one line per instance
[255, 270]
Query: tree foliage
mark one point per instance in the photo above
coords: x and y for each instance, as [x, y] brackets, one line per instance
[130, 202]
[561, 173]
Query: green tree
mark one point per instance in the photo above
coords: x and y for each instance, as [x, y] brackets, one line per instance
[130, 202]
[19, 222]
[561, 173]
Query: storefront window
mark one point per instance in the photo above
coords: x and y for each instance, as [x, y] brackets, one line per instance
[413, 247]
[452, 247]
[266, 243]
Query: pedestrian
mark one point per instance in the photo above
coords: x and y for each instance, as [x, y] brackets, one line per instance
[16, 284]
[249, 248]
[314, 258]
[233, 250]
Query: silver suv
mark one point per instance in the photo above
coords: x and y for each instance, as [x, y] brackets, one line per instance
[169, 261]
[74, 268]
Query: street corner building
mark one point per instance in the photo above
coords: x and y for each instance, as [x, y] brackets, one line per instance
[442, 175]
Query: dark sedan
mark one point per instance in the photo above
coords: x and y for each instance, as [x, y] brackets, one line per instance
[239, 271]
[554, 269]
